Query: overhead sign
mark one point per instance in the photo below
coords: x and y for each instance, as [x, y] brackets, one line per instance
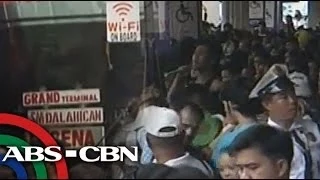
[70, 116]
[255, 9]
[123, 21]
[184, 19]
[76, 137]
[65, 97]
[269, 13]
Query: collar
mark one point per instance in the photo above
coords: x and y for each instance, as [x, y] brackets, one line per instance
[173, 161]
[295, 126]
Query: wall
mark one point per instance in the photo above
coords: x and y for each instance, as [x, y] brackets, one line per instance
[314, 13]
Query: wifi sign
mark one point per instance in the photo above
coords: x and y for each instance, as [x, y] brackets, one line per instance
[122, 8]
[123, 21]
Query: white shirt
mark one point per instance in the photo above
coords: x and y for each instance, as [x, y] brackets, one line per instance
[190, 161]
[301, 22]
[298, 163]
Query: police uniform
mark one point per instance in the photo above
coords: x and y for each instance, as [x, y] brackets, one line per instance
[305, 132]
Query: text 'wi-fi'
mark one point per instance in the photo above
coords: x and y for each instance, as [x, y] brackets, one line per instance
[122, 8]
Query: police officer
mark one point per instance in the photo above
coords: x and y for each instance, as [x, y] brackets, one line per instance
[277, 94]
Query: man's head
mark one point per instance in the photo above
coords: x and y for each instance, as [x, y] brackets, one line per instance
[261, 63]
[288, 19]
[296, 62]
[281, 105]
[227, 27]
[236, 92]
[262, 25]
[164, 134]
[191, 116]
[277, 94]
[263, 152]
[198, 94]
[203, 56]
[227, 74]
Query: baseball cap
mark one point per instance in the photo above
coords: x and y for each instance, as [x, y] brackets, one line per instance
[209, 129]
[165, 122]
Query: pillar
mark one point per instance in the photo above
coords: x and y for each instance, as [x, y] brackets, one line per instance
[236, 13]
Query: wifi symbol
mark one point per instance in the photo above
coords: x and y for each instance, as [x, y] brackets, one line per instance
[122, 8]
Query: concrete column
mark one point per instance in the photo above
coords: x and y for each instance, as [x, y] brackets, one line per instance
[314, 13]
[278, 16]
[239, 14]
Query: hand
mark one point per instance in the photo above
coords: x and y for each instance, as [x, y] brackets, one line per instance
[230, 113]
[227, 127]
[184, 70]
[194, 73]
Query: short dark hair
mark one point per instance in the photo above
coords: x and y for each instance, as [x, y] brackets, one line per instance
[195, 109]
[298, 61]
[237, 91]
[231, 67]
[170, 142]
[213, 50]
[272, 142]
[264, 57]
[200, 90]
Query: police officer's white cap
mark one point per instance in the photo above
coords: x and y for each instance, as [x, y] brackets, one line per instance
[274, 81]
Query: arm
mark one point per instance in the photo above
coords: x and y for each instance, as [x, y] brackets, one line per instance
[177, 86]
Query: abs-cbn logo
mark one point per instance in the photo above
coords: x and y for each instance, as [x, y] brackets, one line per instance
[52, 154]
[18, 150]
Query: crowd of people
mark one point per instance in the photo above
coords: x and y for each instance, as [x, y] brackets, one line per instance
[241, 105]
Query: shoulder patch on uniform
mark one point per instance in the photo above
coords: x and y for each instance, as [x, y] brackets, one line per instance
[311, 137]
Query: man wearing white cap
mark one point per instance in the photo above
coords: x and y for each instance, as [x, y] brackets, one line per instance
[165, 138]
[277, 94]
